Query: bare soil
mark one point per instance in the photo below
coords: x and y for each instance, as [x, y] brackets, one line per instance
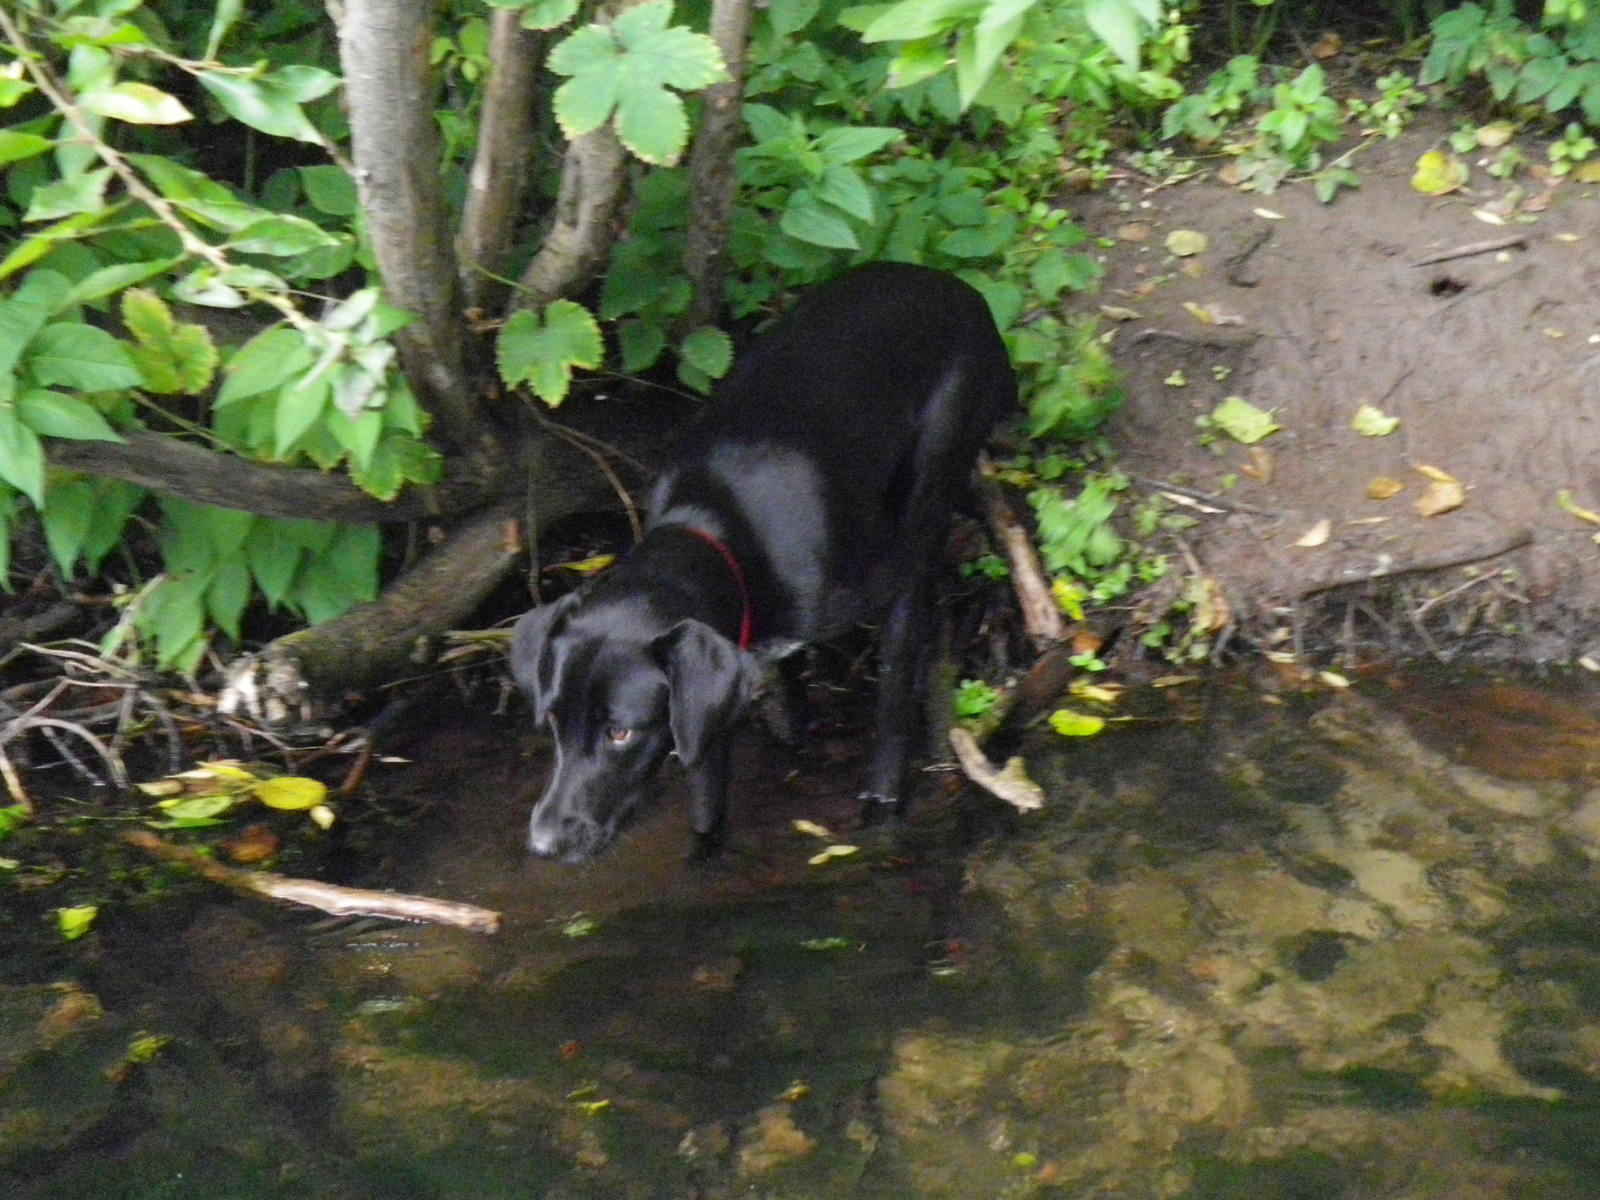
[1488, 358]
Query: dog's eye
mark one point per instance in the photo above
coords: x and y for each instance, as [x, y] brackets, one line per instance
[618, 735]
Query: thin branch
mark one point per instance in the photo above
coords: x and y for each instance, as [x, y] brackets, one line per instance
[383, 47]
[576, 245]
[501, 169]
[1041, 615]
[712, 181]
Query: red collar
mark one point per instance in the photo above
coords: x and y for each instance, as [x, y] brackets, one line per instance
[747, 618]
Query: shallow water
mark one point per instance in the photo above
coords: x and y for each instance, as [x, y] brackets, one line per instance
[1265, 943]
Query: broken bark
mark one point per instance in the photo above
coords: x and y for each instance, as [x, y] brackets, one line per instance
[383, 46]
[313, 893]
[1041, 615]
[503, 165]
[712, 180]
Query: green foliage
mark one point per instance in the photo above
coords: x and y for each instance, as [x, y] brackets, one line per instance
[974, 699]
[543, 352]
[1556, 67]
[625, 72]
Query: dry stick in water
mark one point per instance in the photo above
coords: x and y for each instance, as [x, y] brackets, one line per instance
[328, 897]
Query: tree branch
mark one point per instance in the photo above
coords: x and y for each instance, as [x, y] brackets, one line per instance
[383, 46]
[712, 180]
[576, 245]
[501, 170]
[176, 468]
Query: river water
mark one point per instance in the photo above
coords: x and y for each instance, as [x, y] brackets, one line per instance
[1264, 941]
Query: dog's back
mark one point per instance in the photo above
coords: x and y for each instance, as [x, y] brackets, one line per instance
[845, 429]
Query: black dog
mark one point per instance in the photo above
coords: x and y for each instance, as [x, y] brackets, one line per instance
[815, 494]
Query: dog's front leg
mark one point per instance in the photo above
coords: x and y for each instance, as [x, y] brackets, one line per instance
[903, 657]
[708, 803]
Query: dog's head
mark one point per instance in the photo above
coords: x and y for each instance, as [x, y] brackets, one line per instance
[621, 688]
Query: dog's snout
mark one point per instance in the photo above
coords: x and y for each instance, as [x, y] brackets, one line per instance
[564, 836]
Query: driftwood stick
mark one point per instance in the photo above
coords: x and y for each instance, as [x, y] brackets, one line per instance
[1041, 616]
[1471, 249]
[1010, 782]
[326, 897]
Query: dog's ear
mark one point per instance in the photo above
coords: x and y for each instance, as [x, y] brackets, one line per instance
[533, 664]
[709, 680]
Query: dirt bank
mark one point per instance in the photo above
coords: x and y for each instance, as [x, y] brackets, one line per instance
[1489, 360]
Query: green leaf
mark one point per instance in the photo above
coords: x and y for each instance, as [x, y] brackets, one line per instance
[68, 512]
[75, 921]
[82, 193]
[51, 414]
[228, 594]
[21, 457]
[137, 104]
[844, 188]
[846, 145]
[543, 354]
[281, 235]
[263, 363]
[708, 350]
[98, 284]
[1117, 25]
[641, 343]
[16, 146]
[201, 286]
[80, 356]
[1243, 421]
[299, 407]
[627, 69]
[912, 19]
[808, 221]
[198, 808]
[261, 103]
[330, 190]
[173, 358]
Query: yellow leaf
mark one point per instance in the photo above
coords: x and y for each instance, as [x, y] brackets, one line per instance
[831, 852]
[1588, 172]
[1267, 214]
[1372, 421]
[1568, 504]
[1199, 312]
[1384, 488]
[586, 566]
[1184, 243]
[74, 922]
[1441, 496]
[1097, 692]
[1435, 473]
[322, 816]
[1439, 173]
[1333, 679]
[811, 828]
[1075, 724]
[1316, 535]
[290, 793]
[1495, 134]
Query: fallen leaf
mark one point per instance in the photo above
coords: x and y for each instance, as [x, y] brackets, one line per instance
[1097, 692]
[1199, 312]
[1569, 505]
[1211, 612]
[1243, 421]
[1333, 679]
[1087, 641]
[1316, 535]
[1441, 496]
[322, 816]
[1187, 242]
[1588, 172]
[1267, 214]
[1371, 421]
[1229, 174]
[1134, 231]
[1261, 465]
[1115, 312]
[253, 844]
[828, 853]
[1495, 134]
[1439, 173]
[1075, 724]
[811, 828]
[1433, 473]
[1384, 487]
[290, 793]
[1488, 216]
[1328, 45]
[585, 566]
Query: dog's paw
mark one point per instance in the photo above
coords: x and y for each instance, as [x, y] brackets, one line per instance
[706, 847]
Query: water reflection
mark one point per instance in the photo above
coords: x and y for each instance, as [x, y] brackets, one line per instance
[1332, 946]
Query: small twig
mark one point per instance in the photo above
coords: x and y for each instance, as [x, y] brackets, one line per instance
[1159, 485]
[14, 789]
[1041, 615]
[326, 897]
[599, 459]
[113, 763]
[1472, 249]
